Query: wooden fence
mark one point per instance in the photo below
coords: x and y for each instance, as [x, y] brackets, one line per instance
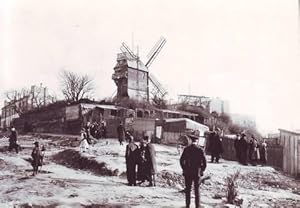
[275, 156]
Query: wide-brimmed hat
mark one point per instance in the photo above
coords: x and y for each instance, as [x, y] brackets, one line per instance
[36, 142]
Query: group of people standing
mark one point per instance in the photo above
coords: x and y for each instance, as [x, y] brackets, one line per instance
[95, 129]
[140, 161]
[250, 151]
[90, 131]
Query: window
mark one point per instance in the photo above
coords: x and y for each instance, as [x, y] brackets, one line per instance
[113, 112]
[139, 114]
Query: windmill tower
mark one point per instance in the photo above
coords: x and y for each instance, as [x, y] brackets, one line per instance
[132, 76]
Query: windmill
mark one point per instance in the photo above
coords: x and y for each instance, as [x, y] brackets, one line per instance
[132, 76]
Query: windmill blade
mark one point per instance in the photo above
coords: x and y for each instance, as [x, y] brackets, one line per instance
[125, 49]
[158, 88]
[156, 46]
[155, 51]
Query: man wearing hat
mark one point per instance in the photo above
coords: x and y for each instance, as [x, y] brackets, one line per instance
[193, 164]
[36, 158]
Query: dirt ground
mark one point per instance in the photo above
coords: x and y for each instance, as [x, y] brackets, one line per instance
[97, 178]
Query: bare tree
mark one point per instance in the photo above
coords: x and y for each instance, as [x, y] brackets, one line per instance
[74, 86]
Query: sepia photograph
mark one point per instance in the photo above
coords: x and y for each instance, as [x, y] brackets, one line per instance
[149, 103]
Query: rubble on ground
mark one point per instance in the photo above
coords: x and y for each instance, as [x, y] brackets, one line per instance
[73, 159]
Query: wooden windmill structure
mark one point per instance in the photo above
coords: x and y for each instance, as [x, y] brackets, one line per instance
[132, 76]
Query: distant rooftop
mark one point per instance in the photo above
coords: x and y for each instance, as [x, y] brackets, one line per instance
[297, 131]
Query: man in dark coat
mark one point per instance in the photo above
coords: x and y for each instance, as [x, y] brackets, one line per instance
[244, 148]
[193, 164]
[121, 133]
[131, 161]
[36, 158]
[216, 147]
[13, 144]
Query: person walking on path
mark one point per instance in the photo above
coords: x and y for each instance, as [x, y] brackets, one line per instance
[36, 158]
[121, 133]
[131, 161]
[13, 141]
[193, 164]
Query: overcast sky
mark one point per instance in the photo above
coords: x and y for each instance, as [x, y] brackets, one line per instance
[244, 51]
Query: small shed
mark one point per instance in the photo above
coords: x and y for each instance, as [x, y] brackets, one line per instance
[170, 130]
[291, 151]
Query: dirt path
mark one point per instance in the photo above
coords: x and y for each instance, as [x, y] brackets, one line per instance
[62, 185]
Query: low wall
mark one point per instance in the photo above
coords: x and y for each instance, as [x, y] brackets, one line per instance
[228, 149]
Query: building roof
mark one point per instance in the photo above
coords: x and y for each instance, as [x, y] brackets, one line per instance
[190, 124]
[177, 112]
[297, 132]
[91, 106]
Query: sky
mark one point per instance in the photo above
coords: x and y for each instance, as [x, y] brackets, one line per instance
[243, 51]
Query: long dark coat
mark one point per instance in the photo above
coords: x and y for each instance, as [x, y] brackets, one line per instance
[193, 161]
[215, 144]
[13, 137]
[131, 157]
[146, 162]
[121, 133]
[150, 157]
[244, 148]
[263, 153]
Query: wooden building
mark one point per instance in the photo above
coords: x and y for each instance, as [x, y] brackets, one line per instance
[291, 151]
[169, 131]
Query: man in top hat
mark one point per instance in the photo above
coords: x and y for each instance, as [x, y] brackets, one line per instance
[36, 158]
[193, 164]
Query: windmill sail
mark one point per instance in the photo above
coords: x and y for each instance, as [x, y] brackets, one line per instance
[158, 89]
